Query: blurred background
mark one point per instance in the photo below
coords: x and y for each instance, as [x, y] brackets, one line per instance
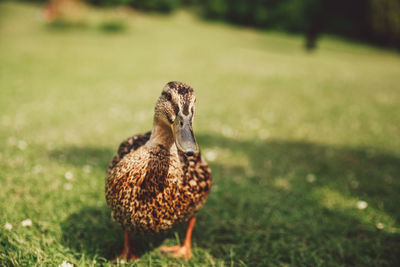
[297, 113]
[373, 21]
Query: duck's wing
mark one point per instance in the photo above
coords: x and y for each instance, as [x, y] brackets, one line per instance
[132, 143]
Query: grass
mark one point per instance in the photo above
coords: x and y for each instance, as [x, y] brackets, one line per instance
[296, 141]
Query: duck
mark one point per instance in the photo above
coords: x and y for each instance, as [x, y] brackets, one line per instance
[159, 179]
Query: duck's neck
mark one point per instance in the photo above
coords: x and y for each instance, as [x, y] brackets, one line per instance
[161, 135]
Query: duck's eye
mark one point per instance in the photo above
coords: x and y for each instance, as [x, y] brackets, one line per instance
[181, 123]
[167, 95]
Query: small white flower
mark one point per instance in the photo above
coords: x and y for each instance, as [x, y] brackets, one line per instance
[22, 144]
[215, 188]
[26, 223]
[380, 225]
[87, 169]
[8, 226]
[69, 175]
[66, 264]
[311, 178]
[37, 169]
[211, 155]
[68, 186]
[361, 205]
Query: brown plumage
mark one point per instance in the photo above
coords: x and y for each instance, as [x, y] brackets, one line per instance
[159, 179]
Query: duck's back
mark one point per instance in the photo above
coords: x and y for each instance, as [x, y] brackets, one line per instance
[150, 191]
[130, 144]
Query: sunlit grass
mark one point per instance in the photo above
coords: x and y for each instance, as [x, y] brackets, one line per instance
[304, 148]
[371, 216]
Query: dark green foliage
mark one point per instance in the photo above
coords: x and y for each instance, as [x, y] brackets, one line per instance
[156, 5]
[215, 8]
[148, 5]
[373, 21]
[112, 26]
[108, 2]
[385, 20]
[63, 25]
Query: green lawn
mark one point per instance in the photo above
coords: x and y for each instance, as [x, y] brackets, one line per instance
[304, 148]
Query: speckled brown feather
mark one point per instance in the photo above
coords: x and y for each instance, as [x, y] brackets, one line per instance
[132, 143]
[150, 189]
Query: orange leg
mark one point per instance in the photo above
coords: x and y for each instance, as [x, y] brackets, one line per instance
[127, 253]
[182, 251]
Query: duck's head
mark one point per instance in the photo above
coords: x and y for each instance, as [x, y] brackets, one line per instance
[175, 109]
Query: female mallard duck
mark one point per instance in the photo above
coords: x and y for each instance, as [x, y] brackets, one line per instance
[158, 180]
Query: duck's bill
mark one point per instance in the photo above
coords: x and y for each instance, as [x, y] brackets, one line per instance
[184, 137]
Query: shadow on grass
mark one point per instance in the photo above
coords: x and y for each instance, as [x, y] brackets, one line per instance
[362, 172]
[92, 231]
[265, 212]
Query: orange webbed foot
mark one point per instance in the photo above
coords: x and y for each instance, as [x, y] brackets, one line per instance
[183, 251]
[180, 251]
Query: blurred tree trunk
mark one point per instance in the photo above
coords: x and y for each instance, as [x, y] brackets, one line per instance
[316, 14]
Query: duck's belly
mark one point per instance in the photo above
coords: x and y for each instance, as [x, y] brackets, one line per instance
[144, 210]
